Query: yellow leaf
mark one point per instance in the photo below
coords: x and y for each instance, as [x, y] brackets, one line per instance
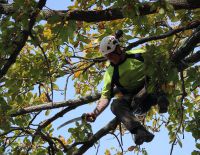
[107, 152]
[43, 97]
[76, 74]
[47, 33]
[168, 87]
[88, 46]
[63, 140]
[119, 153]
[197, 99]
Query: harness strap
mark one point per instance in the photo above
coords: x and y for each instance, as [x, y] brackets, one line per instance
[137, 56]
[115, 77]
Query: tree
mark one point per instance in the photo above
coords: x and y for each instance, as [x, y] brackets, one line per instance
[38, 46]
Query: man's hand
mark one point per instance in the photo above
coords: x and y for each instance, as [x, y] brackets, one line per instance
[91, 117]
[102, 104]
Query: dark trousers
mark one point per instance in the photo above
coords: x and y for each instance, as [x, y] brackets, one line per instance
[123, 110]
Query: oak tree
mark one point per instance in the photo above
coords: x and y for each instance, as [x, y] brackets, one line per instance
[39, 45]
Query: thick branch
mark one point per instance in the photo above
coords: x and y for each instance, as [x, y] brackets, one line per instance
[193, 58]
[162, 36]
[107, 14]
[102, 132]
[183, 4]
[69, 103]
[60, 114]
[187, 47]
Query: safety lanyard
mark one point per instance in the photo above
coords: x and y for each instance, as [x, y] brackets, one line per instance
[115, 76]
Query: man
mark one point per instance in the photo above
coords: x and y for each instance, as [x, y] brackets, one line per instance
[126, 72]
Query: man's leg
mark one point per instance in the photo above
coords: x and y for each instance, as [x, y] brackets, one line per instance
[152, 100]
[162, 102]
[123, 111]
[147, 103]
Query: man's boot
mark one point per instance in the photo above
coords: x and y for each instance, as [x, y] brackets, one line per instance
[142, 135]
[163, 103]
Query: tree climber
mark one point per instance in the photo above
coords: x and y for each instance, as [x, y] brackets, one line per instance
[126, 73]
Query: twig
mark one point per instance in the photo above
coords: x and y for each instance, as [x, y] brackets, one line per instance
[65, 89]
[13, 140]
[34, 118]
[59, 114]
[118, 141]
[102, 132]
[182, 111]
[47, 138]
[61, 143]
[98, 148]
[47, 61]
[99, 59]
[162, 36]
[71, 48]
[75, 144]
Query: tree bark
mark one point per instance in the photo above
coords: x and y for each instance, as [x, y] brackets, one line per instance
[102, 132]
[187, 47]
[162, 36]
[193, 58]
[69, 103]
[107, 14]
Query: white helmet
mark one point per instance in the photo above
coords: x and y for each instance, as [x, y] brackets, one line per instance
[108, 44]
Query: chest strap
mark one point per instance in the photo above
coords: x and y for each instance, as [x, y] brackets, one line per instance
[115, 77]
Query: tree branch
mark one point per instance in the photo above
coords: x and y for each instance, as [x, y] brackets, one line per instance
[183, 4]
[187, 47]
[47, 138]
[118, 141]
[102, 132]
[69, 103]
[59, 114]
[193, 58]
[20, 41]
[107, 14]
[184, 94]
[162, 36]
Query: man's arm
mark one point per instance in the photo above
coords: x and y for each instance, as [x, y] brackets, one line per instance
[105, 96]
[102, 104]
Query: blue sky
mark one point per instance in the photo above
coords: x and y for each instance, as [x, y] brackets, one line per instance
[159, 146]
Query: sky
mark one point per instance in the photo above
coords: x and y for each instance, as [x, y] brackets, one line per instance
[160, 144]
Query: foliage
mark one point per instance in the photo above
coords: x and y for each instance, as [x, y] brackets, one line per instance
[58, 47]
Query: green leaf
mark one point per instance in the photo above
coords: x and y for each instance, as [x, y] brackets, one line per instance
[180, 143]
[59, 152]
[54, 19]
[195, 152]
[29, 95]
[106, 2]
[41, 152]
[161, 11]
[198, 145]
[1, 150]
[47, 112]
[197, 99]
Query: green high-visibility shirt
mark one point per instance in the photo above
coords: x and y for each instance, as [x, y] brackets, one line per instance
[131, 74]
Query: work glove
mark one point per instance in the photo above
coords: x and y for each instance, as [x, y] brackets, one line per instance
[90, 117]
